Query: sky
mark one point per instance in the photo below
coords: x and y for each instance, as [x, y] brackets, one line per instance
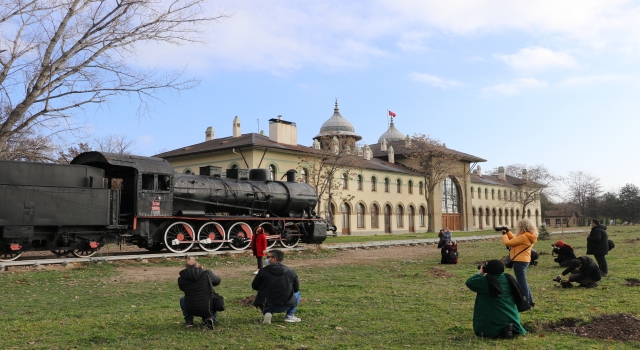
[528, 82]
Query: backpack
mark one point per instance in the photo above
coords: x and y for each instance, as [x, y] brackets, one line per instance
[611, 245]
[522, 302]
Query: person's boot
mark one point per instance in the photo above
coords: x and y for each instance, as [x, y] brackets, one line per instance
[507, 332]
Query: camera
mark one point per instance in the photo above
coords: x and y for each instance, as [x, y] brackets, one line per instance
[481, 265]
[502, 228]
[557, 279]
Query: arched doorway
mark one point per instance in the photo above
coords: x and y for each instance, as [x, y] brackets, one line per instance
[451, 217]
[412, 218]
[387, 218]
[346, 212]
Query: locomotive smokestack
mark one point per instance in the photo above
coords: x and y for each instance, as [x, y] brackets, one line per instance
[291, 175]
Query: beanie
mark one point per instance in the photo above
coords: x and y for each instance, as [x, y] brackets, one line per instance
[494, 267]
[559, 243]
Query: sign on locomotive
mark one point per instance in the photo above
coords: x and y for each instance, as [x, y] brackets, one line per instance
[105, 198]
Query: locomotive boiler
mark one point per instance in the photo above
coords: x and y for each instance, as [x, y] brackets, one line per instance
[105, 198]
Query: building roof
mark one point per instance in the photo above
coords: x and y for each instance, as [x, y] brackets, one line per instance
[337, 125]
[392, 134]
[400, 150]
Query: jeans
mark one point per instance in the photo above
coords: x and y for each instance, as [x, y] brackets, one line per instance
[188, 318]
[290, 310]
[520, 270]
[602, 263]
[259, 258]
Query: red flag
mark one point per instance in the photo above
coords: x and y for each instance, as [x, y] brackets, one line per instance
[392, 114]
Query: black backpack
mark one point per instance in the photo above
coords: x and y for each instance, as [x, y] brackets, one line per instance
[522, 302]
[611, 245]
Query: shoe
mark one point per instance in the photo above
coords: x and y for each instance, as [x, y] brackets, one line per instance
[208, 323]
[533, 304]
[267, 318]
[592, 285]
[292, 319]
[507, 332]
[603, 274]
[256, 272]
[188, 325]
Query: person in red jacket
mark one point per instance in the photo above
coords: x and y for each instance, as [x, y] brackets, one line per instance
[259, 246]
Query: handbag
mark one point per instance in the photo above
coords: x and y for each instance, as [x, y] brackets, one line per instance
[611, 245]
[218, 301]
[508, 263]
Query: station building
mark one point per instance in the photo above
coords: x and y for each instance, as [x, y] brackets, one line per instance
[380, 193]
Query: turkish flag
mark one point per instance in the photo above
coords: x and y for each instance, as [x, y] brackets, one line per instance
[392, 114]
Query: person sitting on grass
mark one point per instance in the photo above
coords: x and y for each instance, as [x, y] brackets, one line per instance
[278, 289]
[584, 271]
[197, 285]
[495, 314]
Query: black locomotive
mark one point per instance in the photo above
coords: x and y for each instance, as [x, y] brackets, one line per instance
[105, 198]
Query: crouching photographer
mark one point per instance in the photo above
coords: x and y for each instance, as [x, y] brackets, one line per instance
[563, 253]
[582, 270]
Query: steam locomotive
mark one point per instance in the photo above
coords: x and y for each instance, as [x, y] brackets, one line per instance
[103, 198]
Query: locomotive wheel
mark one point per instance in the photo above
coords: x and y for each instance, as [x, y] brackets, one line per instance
[269, 230]
[293, 239]
[9, 256]
[175, 234]
[85, 253]
[214, 232]
[61, 252]
[239, 235]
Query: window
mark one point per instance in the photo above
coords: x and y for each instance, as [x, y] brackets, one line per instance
[510, 195]
[373, 183]
[164, 182]
[558, 222]
[375, 211]
[420, 188]
[410, 187]
[486, 193]
[499, 194]
[147, 182]
[360, 215]
[479, 193]
[399, 185]
[421, 214]
[233, 166]
[304, 176]
[345, 181]
[188, 171]
[360, 181]
[473, 213]
[399, 216]
[272, 172]
[487, 216]
[472, 195]
[450, 196]
[493, 193]
[386, 184]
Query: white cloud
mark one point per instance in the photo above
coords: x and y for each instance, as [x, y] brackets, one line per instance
[413, 41]
[434, 81]
[537, 59]
[515, 86]
[593, 79]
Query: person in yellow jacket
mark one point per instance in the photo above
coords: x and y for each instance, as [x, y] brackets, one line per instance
[520, 246]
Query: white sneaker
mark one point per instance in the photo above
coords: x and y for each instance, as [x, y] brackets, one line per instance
[267, 318]
[292, 319]
[256, 272]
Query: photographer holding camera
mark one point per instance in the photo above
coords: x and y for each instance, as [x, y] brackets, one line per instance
[520, 246]
[564, 253]
[583, 270]
[495, 313]
[198, 300]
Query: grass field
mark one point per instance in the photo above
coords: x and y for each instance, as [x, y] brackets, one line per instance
[388, 303]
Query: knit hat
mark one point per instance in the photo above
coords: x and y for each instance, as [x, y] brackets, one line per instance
[559, 243]
[493, 267]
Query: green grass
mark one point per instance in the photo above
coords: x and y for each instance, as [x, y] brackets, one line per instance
[403, 236]
[386, 304]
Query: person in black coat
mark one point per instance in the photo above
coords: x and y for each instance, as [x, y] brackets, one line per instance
[197, 285]
[598, 245]
[564, 253]
[278, 289]
[583, 271]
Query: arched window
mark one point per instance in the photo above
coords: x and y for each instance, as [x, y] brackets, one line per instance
[487, 216]
[499, 194]
[386, 184]
[233, 166]
[528, 213]
[360, 181]
[479, 193]
[422, 215]
[188, 171]
[375, 211]
[499, 216]
[450, 196]
[272, 172]
[410, 187]
[346, 212]
[510, 195]
[399, 216]
[304, 176]
[360, 215]
[473, 213]
[373, 183]
[493, 193]
[486, 193]
[472, 193]
[345, 181]
[420, 188]
[399, 185]
[411, 213]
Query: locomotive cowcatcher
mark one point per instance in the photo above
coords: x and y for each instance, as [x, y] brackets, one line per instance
[105, 198]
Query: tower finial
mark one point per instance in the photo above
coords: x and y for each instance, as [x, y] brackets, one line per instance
[336, 108]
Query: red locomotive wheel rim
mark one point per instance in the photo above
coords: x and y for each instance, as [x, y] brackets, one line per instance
[180, 237]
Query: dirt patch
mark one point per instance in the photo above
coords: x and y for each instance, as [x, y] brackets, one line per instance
[440, 272]
[247, 301]
[632, 282]
[619, 327]
[633, 240]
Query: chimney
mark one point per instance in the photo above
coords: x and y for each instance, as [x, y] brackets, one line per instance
[316, 144]
[209, 134]
[525, 175]
[262, 133]
[236, 127]
[367, 152]
[391, 155]
[383, 145]
[407, 141]
[501, 174]
[479, 171]
[282, 131]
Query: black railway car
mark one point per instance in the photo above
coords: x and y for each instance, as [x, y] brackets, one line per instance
[104, 198]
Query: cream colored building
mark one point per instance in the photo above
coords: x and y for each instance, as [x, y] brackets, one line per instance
[385, 195]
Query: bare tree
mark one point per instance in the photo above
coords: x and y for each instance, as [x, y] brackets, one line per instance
[531, 183]
[120, 144]
[583, 190]
[430, 159]
[60, 56]
[72, 152]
